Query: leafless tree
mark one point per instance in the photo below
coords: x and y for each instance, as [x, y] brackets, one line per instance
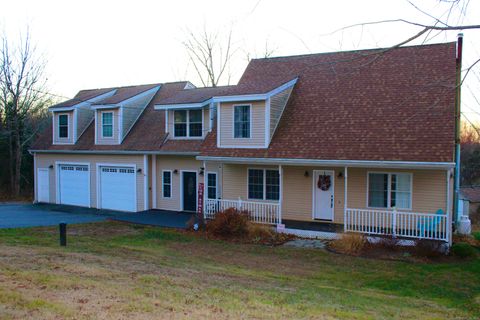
[210, 54]
[22, 97]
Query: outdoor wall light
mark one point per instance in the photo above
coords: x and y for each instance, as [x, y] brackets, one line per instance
[50, 166]
[340, 174]
[175, 171]
[201, 171]
[139, 170]
[305, 174]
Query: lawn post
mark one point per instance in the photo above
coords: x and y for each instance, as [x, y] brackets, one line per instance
[63, 234]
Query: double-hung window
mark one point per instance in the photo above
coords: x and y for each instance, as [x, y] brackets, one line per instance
[188, 123]
[107, 124]
[167, 184]
[388, 190]
[63, 126]
[241, 121]
[263, 184]
[211, 185]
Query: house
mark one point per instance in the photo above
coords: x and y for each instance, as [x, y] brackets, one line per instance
[361, 139]
[471, 202]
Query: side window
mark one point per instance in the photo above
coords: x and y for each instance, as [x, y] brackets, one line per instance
[388, 190]
[167, 184]
[211, 185]
[107, 124]
[195, 123]
[241, 121]
[63, 126]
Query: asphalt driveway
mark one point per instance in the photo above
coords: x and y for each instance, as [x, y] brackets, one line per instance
[29, 215]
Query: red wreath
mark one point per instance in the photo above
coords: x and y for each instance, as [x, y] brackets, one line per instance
[324, 182]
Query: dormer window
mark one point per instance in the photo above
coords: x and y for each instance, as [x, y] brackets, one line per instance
[241, 121]
[188, 123]
[107, 124]
[63, 126]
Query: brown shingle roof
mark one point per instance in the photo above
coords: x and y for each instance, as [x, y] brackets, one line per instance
[362, 105]
[82, 96]
[124, 93]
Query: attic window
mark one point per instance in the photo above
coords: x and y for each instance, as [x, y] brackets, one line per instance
[241, 121]
[107, 124]
[188, 123]
[63, 126]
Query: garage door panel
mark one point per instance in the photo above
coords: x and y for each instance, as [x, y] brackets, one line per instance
[74, 185]
[117, 188]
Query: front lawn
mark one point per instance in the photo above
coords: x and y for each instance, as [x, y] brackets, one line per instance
[118, 271]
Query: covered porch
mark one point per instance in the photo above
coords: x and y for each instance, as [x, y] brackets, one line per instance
[411, 201]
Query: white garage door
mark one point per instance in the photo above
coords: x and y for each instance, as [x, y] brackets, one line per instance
[74, 185]
[117, 188]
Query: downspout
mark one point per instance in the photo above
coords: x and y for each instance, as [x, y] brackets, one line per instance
[458, 83]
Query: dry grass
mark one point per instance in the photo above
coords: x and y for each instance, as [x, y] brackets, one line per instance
[349, 243]
[116, 271]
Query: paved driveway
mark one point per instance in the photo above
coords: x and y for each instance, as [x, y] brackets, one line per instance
[28, 215]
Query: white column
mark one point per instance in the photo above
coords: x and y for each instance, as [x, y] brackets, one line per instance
[280, 200]
[205, 189]
[448, 211]
[145, 181]
[154, 181]
[345, 198]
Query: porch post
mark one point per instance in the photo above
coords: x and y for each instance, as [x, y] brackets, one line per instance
[154, 181]
[145, 185]
[280, 198]
[205, 189]
[448, 211]
[345, 196]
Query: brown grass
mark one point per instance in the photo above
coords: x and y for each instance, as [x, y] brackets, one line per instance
[349, 243]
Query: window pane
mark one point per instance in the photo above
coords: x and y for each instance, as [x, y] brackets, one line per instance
[195, 116]
[272, 185]
[180, 116]
[107, 131]
[195, 129]
[63, 132]
[107, 118]
[180, 130]
[167, 184]
[63, 120]
[241, 122]
[377, 190]
[212, 186]
[400, 191]
[255, 184]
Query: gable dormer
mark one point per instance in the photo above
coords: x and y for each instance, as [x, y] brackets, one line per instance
[116, 115]
[71, 118]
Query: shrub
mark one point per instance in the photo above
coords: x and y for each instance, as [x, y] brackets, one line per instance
[463, 250]
[476, 235]
[259, 233]
[229, 223]
[427, 248]
[349, 243]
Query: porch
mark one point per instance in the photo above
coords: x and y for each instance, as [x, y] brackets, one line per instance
[336, 199]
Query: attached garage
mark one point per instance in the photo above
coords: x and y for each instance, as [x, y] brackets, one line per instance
[117, 188]
[74, 184]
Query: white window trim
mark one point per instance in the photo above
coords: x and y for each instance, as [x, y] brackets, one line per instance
[264, 184]
[101, 124]
[389, 191]
[216, 184]
[249, 124]
[171, 184]
[188, 125]
[68, 126]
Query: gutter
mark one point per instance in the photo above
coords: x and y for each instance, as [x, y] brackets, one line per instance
[335, 163]
[166, 153]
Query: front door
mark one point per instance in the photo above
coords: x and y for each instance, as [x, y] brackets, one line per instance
[189, 191]
[323, 193]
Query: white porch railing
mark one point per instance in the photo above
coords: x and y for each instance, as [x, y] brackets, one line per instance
[395, 223]
[260, 212]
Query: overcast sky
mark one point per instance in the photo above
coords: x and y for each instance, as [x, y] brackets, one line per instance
[92, 44]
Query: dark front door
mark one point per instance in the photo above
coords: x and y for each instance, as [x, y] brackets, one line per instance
[189, 191]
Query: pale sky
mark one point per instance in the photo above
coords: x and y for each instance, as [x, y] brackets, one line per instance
[92, 44]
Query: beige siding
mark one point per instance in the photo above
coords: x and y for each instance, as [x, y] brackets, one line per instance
[205, 125]
[56, 138]
[114, 139]
[277, 105]
[85, 116]
[257, 125]
[45, 160]
[172, 163]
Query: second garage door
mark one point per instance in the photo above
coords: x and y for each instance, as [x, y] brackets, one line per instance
[117, 188]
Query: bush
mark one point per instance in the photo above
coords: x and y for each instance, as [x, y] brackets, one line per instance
[263, 234]
[463, 250]
[349, 243]
[229, 223]
[476, 235]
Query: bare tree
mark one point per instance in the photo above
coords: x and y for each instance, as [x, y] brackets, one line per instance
[210, 54]
[22, 82]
